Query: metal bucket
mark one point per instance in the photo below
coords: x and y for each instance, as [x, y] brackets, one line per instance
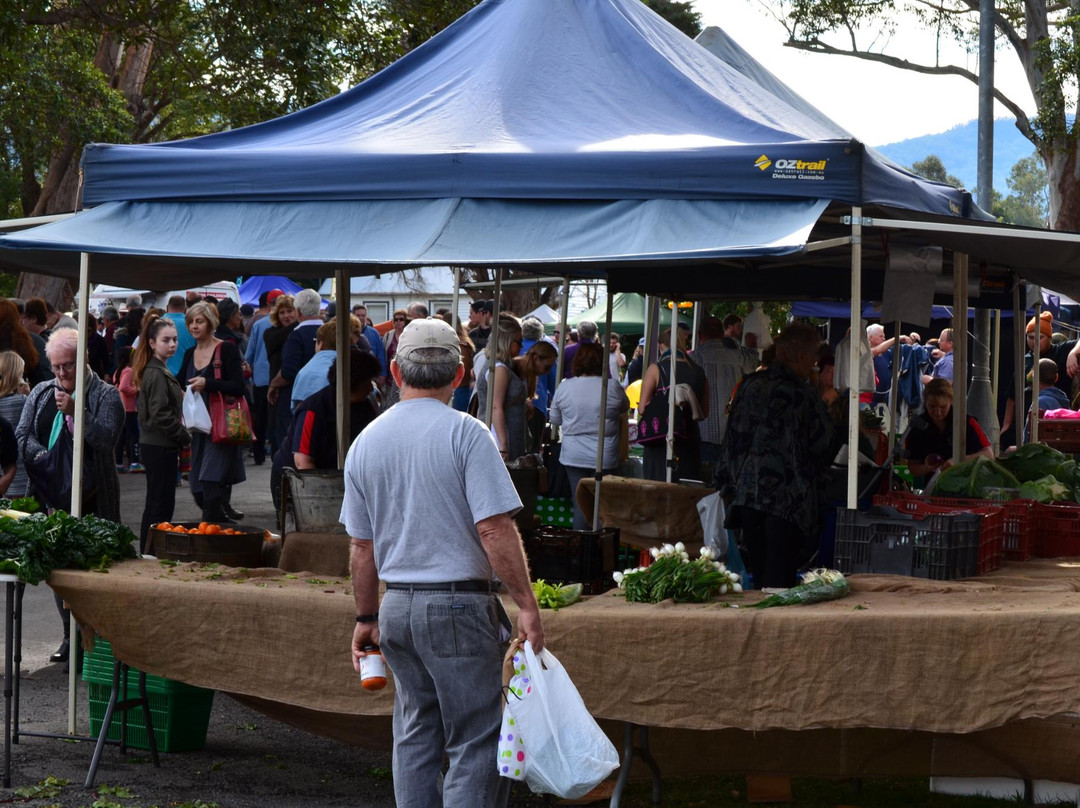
[315, 498]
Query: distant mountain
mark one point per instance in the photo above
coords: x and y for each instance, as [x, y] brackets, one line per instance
[958, 151]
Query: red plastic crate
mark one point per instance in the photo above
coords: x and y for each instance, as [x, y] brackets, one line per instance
[1058, 530]
[991, 528]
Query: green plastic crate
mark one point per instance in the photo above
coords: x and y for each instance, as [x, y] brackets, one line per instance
[556, 511]
[180, 712]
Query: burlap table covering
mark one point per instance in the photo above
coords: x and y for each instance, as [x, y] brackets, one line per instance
[646, 512]
[317, 553]
[899, 653]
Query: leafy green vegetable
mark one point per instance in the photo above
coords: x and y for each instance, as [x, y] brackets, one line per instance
[555, 597]
[970, 478]
[32, 547]
[1032, 461]
[26, 504]
[1045, 489]
[817, 586]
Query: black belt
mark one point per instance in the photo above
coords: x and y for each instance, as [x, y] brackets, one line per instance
[448, 586]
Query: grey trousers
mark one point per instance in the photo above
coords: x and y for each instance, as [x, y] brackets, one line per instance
[445, 655]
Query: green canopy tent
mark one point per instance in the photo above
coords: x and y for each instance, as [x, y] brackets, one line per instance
[627, 315]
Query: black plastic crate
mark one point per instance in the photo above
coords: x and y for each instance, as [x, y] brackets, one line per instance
[563, 556]
[941, 547]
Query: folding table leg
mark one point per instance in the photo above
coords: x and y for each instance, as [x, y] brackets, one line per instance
[642, 751]
[9, 650]
[123, 705]
[106, 722]
[20, 589]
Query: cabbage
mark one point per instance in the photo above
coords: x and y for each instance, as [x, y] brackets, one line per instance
[1032, 461]
[971, 478]
[1045, 489]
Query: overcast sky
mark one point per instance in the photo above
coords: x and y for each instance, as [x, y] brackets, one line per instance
[877, 104]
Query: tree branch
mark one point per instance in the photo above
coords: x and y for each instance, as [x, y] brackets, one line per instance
[817, 46]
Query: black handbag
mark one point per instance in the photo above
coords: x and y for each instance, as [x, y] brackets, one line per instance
[558, 483]
[51, 473]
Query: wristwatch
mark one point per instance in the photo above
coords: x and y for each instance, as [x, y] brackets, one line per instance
[367, 618]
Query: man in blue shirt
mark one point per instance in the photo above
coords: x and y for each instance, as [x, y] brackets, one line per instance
[176, 311]
[374, 339]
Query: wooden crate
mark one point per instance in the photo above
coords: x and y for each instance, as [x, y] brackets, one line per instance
[1062, 434]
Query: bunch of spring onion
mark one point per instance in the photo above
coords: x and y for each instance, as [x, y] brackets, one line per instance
[673, 575]
[817, 586]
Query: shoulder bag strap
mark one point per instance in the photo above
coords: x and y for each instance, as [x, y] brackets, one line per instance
[216, 362]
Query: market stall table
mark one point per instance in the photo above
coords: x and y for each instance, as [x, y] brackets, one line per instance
[904, 655]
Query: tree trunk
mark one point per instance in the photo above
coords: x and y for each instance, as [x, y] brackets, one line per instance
[1064, 180]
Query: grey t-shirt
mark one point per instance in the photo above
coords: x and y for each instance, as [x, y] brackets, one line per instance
[417, 480]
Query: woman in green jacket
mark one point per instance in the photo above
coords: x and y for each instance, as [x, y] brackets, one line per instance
[162, 433]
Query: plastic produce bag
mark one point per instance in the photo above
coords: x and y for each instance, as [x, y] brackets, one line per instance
[563, 750]
[196, 416]
[711, 511]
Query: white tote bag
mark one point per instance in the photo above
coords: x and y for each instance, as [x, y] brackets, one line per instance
[196, 416]
[565, 751]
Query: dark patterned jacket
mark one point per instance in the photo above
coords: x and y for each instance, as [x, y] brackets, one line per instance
[779, 439]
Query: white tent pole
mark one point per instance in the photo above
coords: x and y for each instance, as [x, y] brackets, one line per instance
[697, 324]
[1018, 364]
[492, 349]
[457, 298]
[77, 460]
[856, 338]
[343, 330]
[601, 430]
[960, 356]
[673, 347]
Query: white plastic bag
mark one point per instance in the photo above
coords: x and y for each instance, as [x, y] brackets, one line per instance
[711, 512]
[566, 752]
[196, 416]
[841, 377]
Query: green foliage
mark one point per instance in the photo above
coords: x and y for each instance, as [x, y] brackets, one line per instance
[49, 787]
[933, 169]
[778, 311]
[680, 14]
[35, 545]
[1029, 202]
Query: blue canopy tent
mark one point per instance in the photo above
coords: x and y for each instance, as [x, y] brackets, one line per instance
[585, 136]
[251, 289]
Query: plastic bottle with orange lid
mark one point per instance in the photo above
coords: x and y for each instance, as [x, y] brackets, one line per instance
[372, 669]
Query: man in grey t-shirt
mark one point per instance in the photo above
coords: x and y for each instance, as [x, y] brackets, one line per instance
[437, 533]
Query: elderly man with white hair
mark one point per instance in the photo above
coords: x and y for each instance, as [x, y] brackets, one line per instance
[297, 352]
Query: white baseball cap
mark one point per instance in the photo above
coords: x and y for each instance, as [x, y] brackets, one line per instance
[430, 333]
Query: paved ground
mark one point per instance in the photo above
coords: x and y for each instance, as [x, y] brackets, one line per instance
[250, 761]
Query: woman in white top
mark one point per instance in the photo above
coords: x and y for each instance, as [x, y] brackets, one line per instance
[576, 407]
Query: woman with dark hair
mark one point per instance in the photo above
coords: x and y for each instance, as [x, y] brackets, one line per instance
[162, 433]
[283, 319]
[778, 443]
[576, 408]
[312, 439]
[215, 467]
[124, 336]
[656, 383]
[13, 390]
[390, 341]
[929, 443]
[15, 337]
